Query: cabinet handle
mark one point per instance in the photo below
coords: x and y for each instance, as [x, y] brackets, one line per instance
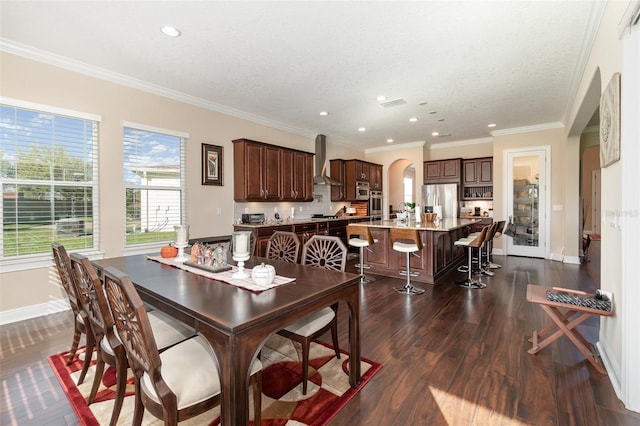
[262, 192]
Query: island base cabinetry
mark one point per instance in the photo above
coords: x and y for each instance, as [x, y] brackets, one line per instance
[437, 258]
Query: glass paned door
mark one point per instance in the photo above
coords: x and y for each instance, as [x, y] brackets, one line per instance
[527, 202]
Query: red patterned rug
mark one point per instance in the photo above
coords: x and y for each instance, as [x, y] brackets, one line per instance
[282, 400]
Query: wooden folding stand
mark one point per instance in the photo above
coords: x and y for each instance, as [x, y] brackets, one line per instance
[565, 323]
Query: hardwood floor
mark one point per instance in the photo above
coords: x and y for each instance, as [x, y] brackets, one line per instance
[451, 356]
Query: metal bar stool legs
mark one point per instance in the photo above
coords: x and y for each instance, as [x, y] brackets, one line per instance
[360, 236]
[407, 241]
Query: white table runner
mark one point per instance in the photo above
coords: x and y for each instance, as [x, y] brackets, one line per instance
[225, 276]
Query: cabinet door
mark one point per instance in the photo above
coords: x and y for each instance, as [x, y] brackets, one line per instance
[366, 172]
[271, 172]
[450, 169]
[337, 168]
[254, 171]
[287, 176]
[376, 177]
[307, 180]
[431, 170]
[485, 170]
[469, 172]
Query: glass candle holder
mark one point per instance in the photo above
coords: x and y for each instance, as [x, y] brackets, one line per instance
[182, 234]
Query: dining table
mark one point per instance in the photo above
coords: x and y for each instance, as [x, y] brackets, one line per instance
[236, 322]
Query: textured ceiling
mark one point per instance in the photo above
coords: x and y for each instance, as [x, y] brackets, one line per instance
[513, 63]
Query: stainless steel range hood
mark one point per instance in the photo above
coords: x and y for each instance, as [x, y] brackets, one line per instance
[321, 177]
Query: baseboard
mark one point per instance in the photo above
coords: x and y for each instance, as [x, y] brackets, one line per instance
[575, 260]
[558, 257]
[498, 252]
[33, 311]
[611, 366]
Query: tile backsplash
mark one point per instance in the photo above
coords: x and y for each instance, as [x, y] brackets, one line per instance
[321, 204]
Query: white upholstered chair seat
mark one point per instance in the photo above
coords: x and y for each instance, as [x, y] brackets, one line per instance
[189, 369]
[359, 242]
[168, 331]
[312, 323]
[405, 247]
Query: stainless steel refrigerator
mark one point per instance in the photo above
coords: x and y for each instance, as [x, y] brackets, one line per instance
[444, 195]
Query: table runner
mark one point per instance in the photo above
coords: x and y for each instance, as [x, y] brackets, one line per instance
[225, 276]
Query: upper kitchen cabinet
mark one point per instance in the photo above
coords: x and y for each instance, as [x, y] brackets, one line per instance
[442, 171]
[362, 171]
[477, 178]
[264, 172]
[338, 172]
[251, 160]
[376, 177]
[297, 175]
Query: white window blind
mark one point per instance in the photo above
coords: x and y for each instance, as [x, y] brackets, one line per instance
[154, 184]
[48, 174]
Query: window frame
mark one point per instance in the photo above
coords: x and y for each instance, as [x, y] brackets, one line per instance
[141, 248]
[43, 260]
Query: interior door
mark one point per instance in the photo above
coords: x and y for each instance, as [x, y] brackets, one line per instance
[595, 200]
[527, 202]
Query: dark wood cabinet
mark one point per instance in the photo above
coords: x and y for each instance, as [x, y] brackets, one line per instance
[264, 172]
[442, 171]
[297, 176]
[477, 178]
[338, 172]
[376, 177]
[360, 171]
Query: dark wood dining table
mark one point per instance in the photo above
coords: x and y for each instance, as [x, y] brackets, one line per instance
[237, 322]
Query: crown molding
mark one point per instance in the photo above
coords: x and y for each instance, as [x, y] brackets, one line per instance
[528, 129]
[396, 147]
[49, 58]
[461, 143]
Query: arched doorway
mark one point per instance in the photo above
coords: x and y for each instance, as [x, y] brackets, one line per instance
[401, 172]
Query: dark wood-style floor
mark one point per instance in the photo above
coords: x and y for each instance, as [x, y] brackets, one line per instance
[451, 356]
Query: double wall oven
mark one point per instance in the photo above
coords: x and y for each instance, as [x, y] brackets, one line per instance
[375, 203]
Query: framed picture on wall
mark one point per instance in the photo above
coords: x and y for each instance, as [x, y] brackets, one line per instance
[212, 163]
[610, 122]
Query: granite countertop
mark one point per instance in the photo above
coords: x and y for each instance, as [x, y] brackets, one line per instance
[448, 224]
[304, 220]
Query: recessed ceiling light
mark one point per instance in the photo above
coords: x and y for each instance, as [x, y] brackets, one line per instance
[435, 134]
[413, 119]
[170, 31]
[492, 125]
[440, 119]
[421, 103]
[323, 113]
[381, 98]
[433, 112]
[361, 129]
[389, 140]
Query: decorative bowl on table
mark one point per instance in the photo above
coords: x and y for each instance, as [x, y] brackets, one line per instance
[263, 275]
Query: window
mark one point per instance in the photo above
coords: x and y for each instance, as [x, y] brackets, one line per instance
[48, 173]
[154, 183]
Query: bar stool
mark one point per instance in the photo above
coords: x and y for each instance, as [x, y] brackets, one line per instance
[485, 251]
[399, 238]
[470, 244]
[499, 229]
[360, 236]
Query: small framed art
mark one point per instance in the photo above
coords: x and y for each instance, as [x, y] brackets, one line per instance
[212, 163]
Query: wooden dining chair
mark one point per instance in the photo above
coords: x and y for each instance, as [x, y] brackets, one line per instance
[324, 252]
[284, 246]
[110, 351]
[177, 384]
[81, 322]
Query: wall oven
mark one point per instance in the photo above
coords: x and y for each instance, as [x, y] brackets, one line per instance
[375, 203]
[362, 191]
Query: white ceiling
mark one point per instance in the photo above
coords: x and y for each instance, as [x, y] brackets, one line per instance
[513, 63]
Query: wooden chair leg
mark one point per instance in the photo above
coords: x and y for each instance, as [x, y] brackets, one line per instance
[138, 410]
[121, 384]
[75, 343]
[305, 365]
[334, 338]
[91, 343]
[97, 378]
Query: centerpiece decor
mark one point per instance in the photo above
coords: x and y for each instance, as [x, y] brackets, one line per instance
[181, 241]
[241, 241]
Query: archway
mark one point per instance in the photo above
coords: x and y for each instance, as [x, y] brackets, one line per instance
[397, 172]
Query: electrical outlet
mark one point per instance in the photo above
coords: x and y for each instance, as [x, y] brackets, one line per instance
[219, 211]
[300, 208]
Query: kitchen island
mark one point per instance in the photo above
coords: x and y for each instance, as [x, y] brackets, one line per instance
[438, 256]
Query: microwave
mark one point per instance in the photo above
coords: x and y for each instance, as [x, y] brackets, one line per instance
[254, 218]
[362, 191]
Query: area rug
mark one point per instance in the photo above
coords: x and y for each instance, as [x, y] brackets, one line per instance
[283, 404]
